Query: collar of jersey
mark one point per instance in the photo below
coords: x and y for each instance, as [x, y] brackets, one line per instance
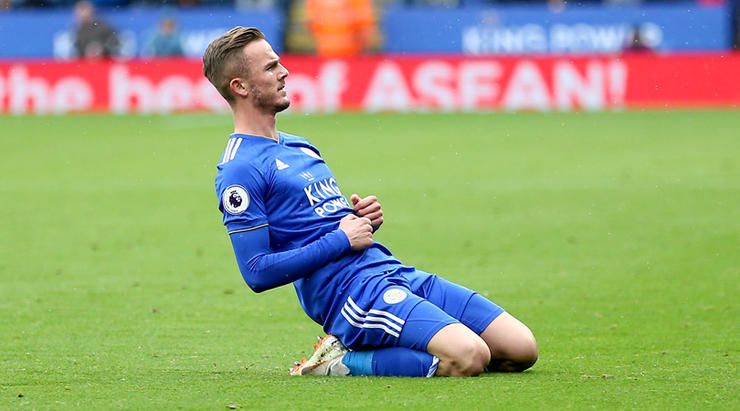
[252, 136]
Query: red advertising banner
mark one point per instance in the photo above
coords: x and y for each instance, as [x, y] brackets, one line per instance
[391, 83]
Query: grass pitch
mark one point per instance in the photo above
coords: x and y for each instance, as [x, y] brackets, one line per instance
[614, 236]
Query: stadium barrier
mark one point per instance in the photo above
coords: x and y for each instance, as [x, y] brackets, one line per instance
[472, 30]
[431, 83]
[47, 33]
[539, 29]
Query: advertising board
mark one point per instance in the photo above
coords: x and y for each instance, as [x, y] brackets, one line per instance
[420, 83]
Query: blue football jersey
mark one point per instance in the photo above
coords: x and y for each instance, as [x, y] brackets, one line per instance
[286, 187]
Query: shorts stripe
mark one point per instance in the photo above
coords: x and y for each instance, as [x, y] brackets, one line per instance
[360, 311]
[372, 319]
[387, 314]
[383, 320]
[370, 325]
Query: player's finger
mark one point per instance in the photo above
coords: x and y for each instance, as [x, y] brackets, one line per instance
[374, 216]
[354, 198]
[366, 220]
[366, 202]
[372, 208]
[349, 217]
[377, 223]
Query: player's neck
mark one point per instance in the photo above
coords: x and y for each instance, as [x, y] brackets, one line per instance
[255, 124]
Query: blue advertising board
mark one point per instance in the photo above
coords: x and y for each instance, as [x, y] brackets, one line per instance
[45, 34]
[537, 29]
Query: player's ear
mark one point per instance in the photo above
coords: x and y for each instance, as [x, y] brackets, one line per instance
[239, 86]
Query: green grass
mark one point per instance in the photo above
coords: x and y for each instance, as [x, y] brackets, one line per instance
[614, 236]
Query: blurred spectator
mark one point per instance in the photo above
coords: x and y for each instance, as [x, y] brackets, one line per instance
[342, 28]
[93, 38]
[5, 4]
[556, 6]
[637, 44]
[165, 42]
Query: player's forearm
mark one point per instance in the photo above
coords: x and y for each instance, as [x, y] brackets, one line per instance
[263, 270]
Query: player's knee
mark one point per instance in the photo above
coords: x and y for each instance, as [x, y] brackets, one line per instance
[522, 355]
[470, 358]
[526, 355]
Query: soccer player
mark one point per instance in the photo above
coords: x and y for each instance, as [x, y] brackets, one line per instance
[289, 223]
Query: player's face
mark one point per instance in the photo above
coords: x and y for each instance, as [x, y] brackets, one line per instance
[266, 77]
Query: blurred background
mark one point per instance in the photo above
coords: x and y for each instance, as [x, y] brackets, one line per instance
[604, 212]
[375, 55]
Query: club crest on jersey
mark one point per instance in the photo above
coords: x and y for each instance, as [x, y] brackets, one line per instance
[310, 152]
[394, 296]
[235, 199]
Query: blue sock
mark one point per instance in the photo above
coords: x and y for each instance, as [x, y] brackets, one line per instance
[391, 362]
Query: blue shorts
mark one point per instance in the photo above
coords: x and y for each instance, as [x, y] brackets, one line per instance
[406, 308]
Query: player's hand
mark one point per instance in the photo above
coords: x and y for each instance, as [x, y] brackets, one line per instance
[358, 231]
[368, 207]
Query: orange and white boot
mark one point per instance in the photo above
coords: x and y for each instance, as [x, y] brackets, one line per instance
[326, 359]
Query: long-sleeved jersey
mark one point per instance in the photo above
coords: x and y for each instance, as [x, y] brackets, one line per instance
[281, 206]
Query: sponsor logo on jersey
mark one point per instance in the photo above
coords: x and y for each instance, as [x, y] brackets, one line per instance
[394, 296]
[235, 199]
[325, 197]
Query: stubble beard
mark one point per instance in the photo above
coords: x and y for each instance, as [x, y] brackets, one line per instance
[282, 106]
[266, 102]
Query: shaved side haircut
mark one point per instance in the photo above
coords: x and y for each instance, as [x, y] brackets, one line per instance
[224, 59]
